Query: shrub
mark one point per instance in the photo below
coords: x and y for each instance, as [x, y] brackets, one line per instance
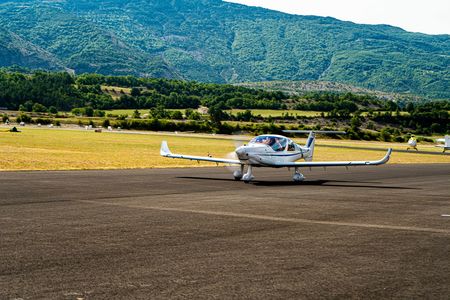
[37, 107]
[23, 118]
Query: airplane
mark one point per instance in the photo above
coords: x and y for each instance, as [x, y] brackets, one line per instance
[275, 151]
[412, 143]
[446, 141]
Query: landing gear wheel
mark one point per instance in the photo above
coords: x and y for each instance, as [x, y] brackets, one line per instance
[248, 176]
[298, 177]
[237, 175]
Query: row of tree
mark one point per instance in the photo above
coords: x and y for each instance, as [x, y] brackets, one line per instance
[65, 92]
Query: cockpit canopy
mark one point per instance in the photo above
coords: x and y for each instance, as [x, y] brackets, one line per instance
[277, 143]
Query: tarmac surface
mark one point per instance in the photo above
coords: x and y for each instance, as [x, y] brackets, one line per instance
[370, 232]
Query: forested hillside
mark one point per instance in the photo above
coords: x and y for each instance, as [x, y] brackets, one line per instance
[16, 51]
[215, 41]
[65, 92]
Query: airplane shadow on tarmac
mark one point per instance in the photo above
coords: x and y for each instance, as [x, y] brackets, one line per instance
[325, 183]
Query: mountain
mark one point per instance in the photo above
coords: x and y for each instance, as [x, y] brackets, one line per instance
[16, 51]
[216, 41]
[305, 86]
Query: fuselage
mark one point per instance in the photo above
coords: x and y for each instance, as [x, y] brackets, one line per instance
[267, 150]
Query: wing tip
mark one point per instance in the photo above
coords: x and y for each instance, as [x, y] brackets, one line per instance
[386, 158]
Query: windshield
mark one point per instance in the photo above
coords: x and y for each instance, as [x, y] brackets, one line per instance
[275, 142]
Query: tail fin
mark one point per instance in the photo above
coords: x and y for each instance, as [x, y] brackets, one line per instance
[310, 145]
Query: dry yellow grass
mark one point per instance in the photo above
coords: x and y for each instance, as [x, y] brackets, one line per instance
[53, 149]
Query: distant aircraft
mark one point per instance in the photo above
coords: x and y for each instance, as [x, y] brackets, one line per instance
[446, 141]
[412, 143]
[275, 151]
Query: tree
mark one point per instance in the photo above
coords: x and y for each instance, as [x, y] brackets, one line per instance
[135, 92]
[136, 114]
[216, 113]
[355, 123]
[88, 111]
[52, 110]
[106, 123]
[410, 107]
[23, 118]
[37, 107]
[28, 106]
[176, 115]
[385, 135]
[158, 112]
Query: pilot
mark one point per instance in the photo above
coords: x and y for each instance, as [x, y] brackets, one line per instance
[277, 145]
[267, 141]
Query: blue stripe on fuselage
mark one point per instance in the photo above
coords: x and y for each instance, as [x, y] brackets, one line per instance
[275, 154]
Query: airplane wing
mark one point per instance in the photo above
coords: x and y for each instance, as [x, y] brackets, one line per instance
[165, 151]
[384, 160]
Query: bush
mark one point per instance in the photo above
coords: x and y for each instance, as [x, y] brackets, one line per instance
[399, 139]
[52, 110]
[23, 118]
[176, 115]
[136, 114]
[37, 107]
[385, 135]
[88, 112]
[43, 121]
[99, 113]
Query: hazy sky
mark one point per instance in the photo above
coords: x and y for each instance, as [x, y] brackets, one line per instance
[427, 16]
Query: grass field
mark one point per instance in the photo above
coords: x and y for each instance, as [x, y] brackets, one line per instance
[128, 112]
[278, 113]
[55, 149]
[115, 91]
[263, 112]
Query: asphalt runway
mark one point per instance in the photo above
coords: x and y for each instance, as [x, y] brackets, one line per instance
[373, 232]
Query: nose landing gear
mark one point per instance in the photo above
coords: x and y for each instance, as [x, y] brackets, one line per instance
[248, 176]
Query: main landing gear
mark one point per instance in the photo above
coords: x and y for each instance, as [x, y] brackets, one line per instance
[238, 173]
[247, 177]
[298, 177]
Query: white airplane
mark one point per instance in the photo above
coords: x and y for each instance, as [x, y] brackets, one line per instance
[412, 143]
[446, 141]
[275, 151]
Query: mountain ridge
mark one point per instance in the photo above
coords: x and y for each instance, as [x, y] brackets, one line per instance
[216, 41]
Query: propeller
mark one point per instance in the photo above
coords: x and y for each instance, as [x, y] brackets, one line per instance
[232, 155]
[238, 142]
